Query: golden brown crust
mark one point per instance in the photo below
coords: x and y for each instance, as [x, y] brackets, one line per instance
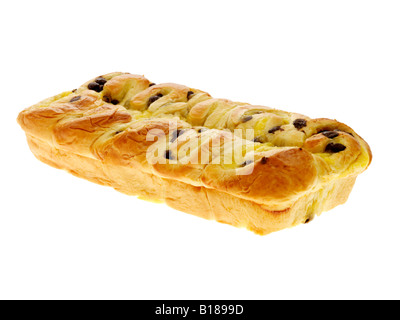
[277, 178]
[125, 122]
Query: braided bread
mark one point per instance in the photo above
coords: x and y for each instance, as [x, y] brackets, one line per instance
[245, 165]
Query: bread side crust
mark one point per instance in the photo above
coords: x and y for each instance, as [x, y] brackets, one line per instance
[200, 201]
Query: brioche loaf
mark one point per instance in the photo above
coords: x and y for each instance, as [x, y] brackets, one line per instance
[245, 165]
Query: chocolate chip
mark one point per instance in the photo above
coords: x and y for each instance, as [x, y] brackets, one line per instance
[75, 99]
[176, 134]
[330, 134]
[154, 98]
[274, 129]
[152, 84]
[299, 123]
[100, 80]
[246, 163]
[202, 130]
[168, 155]
[247, 118]
[95, 87]
[264, 160]
[310, 218]
[118, 132]
[108, 100]
[189, 94]
[257, 139]
[334, 147]
[74, 90]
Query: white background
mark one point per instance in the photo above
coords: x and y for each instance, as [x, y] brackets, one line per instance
[65, 238]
